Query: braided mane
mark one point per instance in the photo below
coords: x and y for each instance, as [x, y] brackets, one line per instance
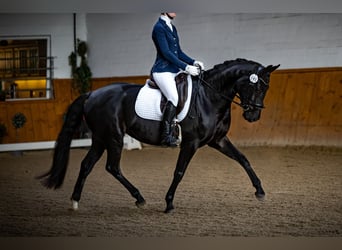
[231, 68]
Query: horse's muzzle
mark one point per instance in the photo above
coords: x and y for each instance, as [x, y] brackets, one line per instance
[252, 115]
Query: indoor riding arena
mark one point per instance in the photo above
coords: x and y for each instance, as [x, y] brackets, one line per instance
[295, 148]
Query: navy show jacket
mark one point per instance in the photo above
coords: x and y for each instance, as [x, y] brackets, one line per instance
[170, 57]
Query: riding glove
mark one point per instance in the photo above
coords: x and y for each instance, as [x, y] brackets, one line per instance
[199, 64]
[192, 70]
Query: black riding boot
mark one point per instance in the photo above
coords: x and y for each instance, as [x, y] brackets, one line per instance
[167, 138]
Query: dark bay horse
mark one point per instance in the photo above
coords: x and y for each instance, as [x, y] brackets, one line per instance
[109, 113]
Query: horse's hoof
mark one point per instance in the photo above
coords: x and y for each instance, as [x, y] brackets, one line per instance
[74, 205]
[140, 204]
[260, 197]
[169, 209]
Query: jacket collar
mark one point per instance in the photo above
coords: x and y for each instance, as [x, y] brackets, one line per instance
[166, 26]
[166, 19]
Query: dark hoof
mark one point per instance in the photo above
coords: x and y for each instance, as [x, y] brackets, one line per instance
[260, 197]
[140, 204]
[169, 209]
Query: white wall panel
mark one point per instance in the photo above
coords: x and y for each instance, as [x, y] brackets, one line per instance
[121, 43]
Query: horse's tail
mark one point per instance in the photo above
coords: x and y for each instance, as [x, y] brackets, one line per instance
[55, 176]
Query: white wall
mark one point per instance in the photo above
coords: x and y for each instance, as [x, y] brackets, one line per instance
[293, 40]
[58, 26]
[121, 43]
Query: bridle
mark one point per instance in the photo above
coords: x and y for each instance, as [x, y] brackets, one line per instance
[245, 106]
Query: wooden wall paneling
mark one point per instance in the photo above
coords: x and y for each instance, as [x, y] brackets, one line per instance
[4, 119]
[324, 122]
[42, 117]
[335, 95]
[314, 123]
[3, 113]
[270, 119]
[11, 110]
[62, 90]
[53, 126]
[288, 110]
[301, 89]
[27, 131]
[305, 91]
[303, 107]
[37, 121]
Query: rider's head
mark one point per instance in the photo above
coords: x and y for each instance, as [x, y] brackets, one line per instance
[170, 15]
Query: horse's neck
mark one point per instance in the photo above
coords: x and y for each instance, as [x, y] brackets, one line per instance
[220, 90]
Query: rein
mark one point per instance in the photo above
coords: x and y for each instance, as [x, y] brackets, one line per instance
[245, 107]
[221, 95]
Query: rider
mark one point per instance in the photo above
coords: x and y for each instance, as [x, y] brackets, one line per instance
[169, 61]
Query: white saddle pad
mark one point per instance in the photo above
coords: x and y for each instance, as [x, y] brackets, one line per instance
[147, 105]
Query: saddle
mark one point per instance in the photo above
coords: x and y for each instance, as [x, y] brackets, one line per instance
[182, 89]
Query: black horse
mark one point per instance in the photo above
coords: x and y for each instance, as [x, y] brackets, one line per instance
[109, 113]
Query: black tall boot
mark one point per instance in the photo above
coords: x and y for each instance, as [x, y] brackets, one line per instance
[167, 138]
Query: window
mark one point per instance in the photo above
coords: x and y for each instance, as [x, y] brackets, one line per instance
[26, 67]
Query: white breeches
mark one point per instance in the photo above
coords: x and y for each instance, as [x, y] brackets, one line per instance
[167, 84]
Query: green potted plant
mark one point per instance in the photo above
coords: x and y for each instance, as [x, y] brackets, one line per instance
[3, 131]
[81, 74]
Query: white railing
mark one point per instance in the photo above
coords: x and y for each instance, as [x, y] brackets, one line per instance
[129, 144]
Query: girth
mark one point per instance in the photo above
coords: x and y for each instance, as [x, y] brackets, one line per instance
[182, 89]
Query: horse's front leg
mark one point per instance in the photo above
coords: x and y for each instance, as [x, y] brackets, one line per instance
[185, 155]
[228, 149]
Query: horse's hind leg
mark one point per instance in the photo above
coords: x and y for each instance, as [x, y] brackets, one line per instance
[228, 149]
[87, 165]
[113, 167]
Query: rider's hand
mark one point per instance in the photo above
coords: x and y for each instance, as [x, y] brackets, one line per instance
[199, 64]
[192, 70]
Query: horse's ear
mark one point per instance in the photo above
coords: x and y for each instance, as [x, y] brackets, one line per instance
[268, 70]
[271, 68]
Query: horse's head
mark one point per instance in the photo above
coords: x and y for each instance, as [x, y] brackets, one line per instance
[252, 88]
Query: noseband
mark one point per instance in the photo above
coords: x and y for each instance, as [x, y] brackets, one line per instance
[244, 106]
[249, 106]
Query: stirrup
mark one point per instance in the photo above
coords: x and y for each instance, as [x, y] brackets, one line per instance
[176, 131]
[174, 138]
[170, 141]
